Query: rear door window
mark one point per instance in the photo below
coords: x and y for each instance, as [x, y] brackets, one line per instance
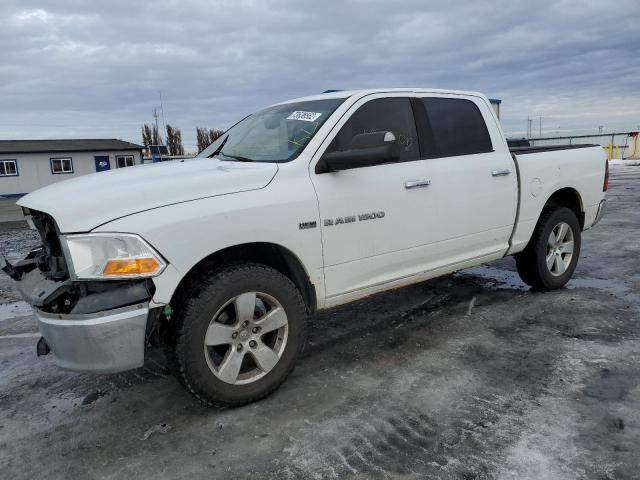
[455, 126]
[392, 114]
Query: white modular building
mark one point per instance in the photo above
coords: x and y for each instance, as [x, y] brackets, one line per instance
[26, 165]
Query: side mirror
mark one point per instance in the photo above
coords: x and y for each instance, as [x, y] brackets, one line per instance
[365, 150]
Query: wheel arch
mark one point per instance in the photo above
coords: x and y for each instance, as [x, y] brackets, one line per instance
[570, 198]
[273, 255]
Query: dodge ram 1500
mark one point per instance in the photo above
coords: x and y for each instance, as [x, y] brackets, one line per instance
[302, 206]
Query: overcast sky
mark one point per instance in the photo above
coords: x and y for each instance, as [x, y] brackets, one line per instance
[73, 69]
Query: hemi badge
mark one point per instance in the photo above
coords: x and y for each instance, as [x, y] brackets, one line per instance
[306, 225]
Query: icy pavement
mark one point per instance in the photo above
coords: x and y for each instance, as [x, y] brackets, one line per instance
[470, 376]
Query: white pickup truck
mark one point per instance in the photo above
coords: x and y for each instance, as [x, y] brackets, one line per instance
[302, 206]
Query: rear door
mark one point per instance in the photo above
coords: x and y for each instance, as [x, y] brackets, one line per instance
[477, 185]
[375, 220]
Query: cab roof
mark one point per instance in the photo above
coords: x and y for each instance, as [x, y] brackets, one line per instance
[369, 91]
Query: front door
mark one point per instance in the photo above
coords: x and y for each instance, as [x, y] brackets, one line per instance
[102, 163]
[375, 220]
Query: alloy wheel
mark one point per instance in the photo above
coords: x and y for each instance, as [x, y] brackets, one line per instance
[559, 249]
[246, 338]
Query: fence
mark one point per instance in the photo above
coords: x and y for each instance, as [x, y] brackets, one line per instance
[616, 145]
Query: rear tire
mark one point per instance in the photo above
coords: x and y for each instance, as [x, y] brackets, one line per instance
[550, 258]
[239, 334]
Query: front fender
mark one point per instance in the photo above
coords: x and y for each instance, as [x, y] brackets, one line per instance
[188, 232]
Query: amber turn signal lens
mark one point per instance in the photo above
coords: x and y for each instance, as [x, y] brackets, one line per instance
[130, 266]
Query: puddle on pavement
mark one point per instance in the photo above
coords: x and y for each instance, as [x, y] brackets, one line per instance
[610, 386]
[10, 311]
[500, 279]
[617, 289]
[506, 279]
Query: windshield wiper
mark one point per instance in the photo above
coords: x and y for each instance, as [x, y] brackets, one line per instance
[236, 157]
[219, 149]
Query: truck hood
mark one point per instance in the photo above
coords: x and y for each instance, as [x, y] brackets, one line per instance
[83, 203]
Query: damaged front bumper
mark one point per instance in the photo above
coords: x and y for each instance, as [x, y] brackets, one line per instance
[89, 326]
[106, 342]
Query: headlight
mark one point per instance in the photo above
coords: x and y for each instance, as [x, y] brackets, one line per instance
[111, 256]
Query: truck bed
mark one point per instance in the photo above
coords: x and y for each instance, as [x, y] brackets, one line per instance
[548, 148]
[577, 170]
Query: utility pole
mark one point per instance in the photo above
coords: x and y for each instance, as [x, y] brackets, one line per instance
[155, 116]
[164, 125]
[529, 125]
[540, 118]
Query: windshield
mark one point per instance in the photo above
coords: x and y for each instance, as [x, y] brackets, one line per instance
[275, 134]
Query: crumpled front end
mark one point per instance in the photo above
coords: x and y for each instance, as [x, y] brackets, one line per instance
[98, 326]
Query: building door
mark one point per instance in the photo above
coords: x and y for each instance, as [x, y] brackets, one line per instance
[102, 163]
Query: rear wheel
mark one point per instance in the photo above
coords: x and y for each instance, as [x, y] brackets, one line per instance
[551, 256]
[239, 335]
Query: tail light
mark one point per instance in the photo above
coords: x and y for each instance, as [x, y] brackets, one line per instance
[605, 185]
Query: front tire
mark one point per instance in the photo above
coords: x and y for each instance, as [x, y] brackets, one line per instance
[550, 258]
[239, 334]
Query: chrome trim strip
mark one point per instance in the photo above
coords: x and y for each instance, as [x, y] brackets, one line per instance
[423, 182]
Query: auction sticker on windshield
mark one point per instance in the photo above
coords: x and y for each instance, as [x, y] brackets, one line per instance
[306, 116]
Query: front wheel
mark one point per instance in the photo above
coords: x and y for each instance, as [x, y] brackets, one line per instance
[239, 334]
[551, 256]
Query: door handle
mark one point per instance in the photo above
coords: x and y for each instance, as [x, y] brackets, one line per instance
[500, 172]
[421, 183]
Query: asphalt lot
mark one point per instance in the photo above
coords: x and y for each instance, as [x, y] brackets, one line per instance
[468, 376]
[9, 211]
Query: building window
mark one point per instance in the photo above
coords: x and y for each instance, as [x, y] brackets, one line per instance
[125, 161]
[8, 168]
[61, 165]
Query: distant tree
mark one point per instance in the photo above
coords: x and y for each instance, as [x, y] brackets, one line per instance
[199, 141]
[174, 141]
[155, 136]
[146, 135]
[206, 136]
[150, 135]
[214, 134]
[202, 138]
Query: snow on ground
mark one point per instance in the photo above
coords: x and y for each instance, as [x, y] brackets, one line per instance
[16, 239]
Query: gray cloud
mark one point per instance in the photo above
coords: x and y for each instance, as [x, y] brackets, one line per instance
[86, 68]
